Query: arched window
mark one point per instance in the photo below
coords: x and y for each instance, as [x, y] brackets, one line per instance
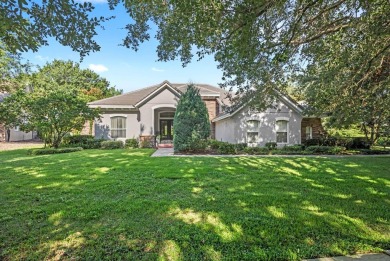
[118, 127]
[252, 131]
[281, 131]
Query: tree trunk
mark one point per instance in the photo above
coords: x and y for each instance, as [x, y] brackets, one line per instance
[8, 134]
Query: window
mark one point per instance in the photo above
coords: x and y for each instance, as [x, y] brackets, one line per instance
[252, 132]
[281, 131]
[17, 128]
[309, 132]
[118, 127]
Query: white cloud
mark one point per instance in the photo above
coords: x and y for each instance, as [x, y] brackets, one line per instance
[157, 70]
[98, 68]
[42, 58]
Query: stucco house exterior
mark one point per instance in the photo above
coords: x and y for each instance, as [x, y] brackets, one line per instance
[148, 114]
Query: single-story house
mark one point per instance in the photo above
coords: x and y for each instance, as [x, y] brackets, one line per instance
[148, 113]
[14, 134]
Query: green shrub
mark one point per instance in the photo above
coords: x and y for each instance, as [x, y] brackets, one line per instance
[215, 144]
[349, 143]
[359, 143]
[112, 144]
[373, 152]
[313, 142]
[383, 141]
[77, 139]
[88, 144]
[324, 149]
[241, 146]
[53, 151]
[297, 148]
[271, 145]
[227, 148]
[147, 142]
[257, 150]
[191, 123]
[131, 143]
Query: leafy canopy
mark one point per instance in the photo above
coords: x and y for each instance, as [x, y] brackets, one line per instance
[67, 73]
[13, 71]
[191, 124]
[334, 51]
[26, 24]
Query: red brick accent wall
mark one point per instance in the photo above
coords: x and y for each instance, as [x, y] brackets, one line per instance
[317, 129]
[212, 108]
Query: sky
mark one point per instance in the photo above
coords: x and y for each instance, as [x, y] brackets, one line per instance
[123, 67]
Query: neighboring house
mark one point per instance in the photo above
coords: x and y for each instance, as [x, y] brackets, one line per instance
[15, 134]
[148, 113]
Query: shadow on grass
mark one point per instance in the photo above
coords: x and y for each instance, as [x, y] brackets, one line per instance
[125, 205]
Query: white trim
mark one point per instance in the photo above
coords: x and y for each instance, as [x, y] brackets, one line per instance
[165, 84]
[118, 115]
[112, 106]
[166, 105]
[165, 118]
[211, 95]
[282, 119]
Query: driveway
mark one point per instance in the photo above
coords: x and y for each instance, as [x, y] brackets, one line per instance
[20, 145]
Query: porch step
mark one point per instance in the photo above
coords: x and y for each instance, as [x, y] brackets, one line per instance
[165, 145]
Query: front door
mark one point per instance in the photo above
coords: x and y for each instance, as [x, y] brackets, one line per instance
[166, 129]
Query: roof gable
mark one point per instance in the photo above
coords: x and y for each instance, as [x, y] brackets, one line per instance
[288, 101]
[164, 86]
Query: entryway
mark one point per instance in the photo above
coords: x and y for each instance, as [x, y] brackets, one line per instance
[166, 131]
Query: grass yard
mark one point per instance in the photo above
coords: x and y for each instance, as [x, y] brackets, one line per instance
[123, 204]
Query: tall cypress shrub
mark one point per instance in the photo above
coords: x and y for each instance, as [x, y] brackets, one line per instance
[191, 124]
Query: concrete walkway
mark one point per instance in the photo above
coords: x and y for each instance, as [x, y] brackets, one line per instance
[163, 152]
[361, 257]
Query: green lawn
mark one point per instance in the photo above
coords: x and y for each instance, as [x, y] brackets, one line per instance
[123, 204]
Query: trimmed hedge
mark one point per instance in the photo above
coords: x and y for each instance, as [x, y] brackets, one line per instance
[77, 139]
[87, 144]
[297, 148]
[215, 144]
[271, 145]
[227, 148]
[257, 150]
[324, 149]
[53, 151]
[131, 143]
[348, 143]
[112, 144]
[374, 152]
